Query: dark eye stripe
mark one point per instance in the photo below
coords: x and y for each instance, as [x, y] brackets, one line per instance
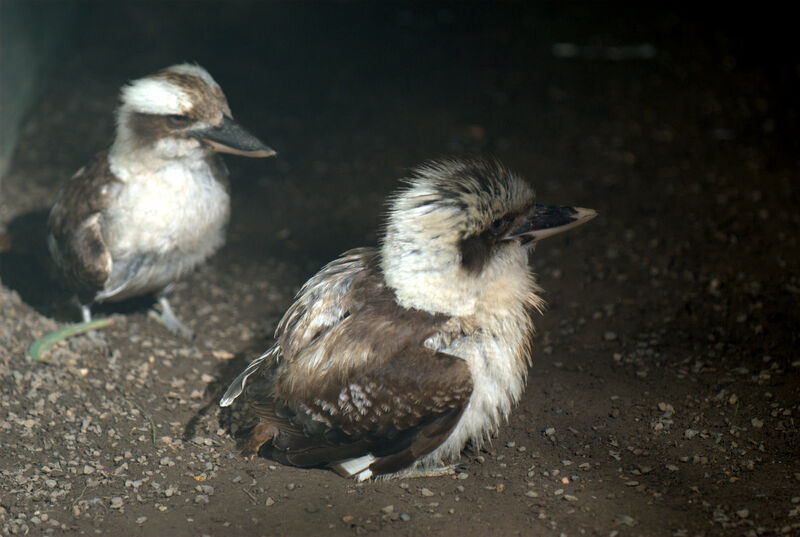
[175, 120]
[500, 225]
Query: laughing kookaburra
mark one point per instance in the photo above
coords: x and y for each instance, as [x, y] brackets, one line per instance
[391, 359]
[155, 204]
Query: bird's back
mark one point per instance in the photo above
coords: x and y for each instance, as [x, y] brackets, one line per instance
[346, 318]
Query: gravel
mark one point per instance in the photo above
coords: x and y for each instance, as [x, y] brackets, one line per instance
[665, 372]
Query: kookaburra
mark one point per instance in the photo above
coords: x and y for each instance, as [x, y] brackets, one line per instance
[155, 204]
[391, 359]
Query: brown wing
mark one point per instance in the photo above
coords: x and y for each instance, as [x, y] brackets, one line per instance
[76, 241]
[350, 376]
[396, 412]
[321, 304]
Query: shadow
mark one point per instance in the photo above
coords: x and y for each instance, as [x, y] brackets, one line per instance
[25, 267]
[224, 374]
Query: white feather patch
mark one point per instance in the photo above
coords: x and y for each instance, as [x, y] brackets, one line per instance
[359, 465]
[363, 476]
[155, 96]
[237, 386]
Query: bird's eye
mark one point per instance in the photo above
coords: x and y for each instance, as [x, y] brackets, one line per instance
[498, 225]
[175, 120]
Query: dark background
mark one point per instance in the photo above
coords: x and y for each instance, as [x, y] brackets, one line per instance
[666, 362]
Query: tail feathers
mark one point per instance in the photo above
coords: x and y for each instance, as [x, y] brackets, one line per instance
[358, 467]
[237, 386]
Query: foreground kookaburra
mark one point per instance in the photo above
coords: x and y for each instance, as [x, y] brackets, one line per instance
[392, 359]
[155, 204]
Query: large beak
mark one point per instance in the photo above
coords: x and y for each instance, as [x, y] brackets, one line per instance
[229, 137]
[545, 221]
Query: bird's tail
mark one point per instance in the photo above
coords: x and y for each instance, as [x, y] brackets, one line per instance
[357, 467]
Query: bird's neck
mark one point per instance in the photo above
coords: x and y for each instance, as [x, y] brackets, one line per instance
[436, 282]
[428, 281]
[131, 159]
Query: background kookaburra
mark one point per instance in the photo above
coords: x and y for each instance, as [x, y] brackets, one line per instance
[155, 204]
[392, 359]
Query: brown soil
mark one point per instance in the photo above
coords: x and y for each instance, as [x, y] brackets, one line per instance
[663, 399]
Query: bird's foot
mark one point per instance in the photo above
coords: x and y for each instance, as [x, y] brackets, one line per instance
[432, 471]
[167, 318]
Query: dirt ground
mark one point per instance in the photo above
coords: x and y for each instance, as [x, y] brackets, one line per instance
[663, 399]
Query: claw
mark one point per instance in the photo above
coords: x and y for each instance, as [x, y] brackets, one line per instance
[430, 471]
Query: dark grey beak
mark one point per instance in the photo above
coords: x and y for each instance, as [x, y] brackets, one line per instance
[230, 137]
[545, 221]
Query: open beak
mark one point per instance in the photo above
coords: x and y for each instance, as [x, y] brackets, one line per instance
[229, 137]
[544, 221]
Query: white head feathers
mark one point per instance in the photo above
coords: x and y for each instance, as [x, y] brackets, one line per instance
[159, 94]
[155, 96]
[445, 202]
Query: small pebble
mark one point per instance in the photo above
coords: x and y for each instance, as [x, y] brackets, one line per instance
[626, 520]
[666, 407]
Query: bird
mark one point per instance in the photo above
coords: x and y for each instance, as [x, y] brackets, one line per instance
[154, 204]
[392, 358]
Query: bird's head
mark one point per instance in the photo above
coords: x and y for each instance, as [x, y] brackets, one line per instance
[180, 112]
[457, 237]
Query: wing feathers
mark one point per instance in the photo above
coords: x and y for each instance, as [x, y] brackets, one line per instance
[76, 221]
[355, 389]
[237, 386]
[394, 415]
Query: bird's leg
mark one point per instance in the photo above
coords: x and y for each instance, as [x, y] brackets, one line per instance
[94, 336]
[167, 318]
